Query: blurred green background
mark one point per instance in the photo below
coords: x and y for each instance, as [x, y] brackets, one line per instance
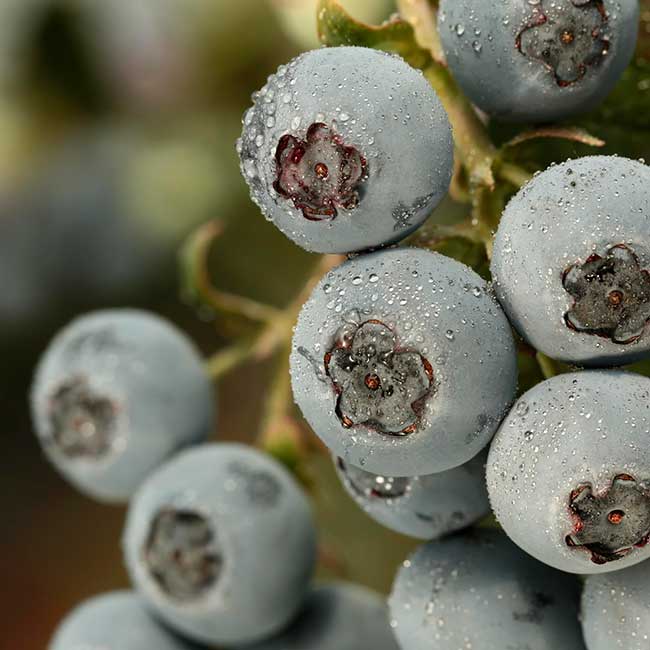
[118, 121]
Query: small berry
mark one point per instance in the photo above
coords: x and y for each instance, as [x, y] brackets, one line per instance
[116, 393]
[538, 61]
[214, 538]
[337, 616]
[616, 609]
[346, 149]
[114, 621]
[425, 507]
[385, 354]
[478, 590]
[568, 471]
[571, 263]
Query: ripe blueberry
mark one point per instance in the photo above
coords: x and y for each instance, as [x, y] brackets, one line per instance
[346, 149]
[115, 394]
[540, 61]
[426, 507]
[337, 616]
[220, 543]
[114, 621]
[478, 590]
[403, 362]
[571, 262]
[616, 609]
[569, 471]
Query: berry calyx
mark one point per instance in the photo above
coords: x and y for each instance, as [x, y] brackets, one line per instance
[182, 555]
[611, 295]
[566, 36]
[82, 423]
[320, 174]
[377, 384]
[610, 525]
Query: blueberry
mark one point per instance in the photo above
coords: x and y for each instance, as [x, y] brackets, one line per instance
[541, 61]
[220, 542]
[480, 591]
[425, 507]
[571, 261]
[616, 609]
[115, 394]
[337, 616]
[403, 362]
[569, 471]
[346, 149]
[114, 621]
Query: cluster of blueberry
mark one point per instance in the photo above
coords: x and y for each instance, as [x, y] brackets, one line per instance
[404, 363]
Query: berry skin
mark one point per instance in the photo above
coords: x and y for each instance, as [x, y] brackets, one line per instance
[478, 590]
[403, 362]
[569, 471]
[571, 263]
[522, 61]
[346, 149]
[221, 544]
[337, 616]
[115, 394]
[114, 621]
[616, 609]
[425, 507]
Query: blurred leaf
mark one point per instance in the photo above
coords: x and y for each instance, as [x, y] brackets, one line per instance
[575, 134]
[421, 14]
[336, 27]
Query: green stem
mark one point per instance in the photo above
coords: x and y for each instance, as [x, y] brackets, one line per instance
[547, 365]
[513, 174]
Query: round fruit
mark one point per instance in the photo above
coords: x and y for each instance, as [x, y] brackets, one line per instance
[571, 261]
[337, 616]
[346, 149]
[524, 61]
[616, 609]
[478, 590]
[220, 543]
[114, 621]
[115, 394]
[569, 471]
[403, 362]
[426, 507]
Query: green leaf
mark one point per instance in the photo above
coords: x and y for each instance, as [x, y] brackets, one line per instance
[336, 27]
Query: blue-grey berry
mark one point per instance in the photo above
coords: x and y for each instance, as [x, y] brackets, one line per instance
[525, 61]
[403, 362]
[116, 393]
[337, 616]
[479, 591]
[114, 621]
[221, 544]
[569, 471]
[616, 609]
[346, 148]
[426, 507]
[571, 261]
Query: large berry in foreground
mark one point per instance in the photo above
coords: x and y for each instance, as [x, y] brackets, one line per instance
[114, 621]
[569, 471]
[616, 610]
[346, 149]
[115, 394]
[425, 507]
[541, 60]
[221, 545]
[478, 590]
[571, 261]
[337, 616]
[403, 362]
